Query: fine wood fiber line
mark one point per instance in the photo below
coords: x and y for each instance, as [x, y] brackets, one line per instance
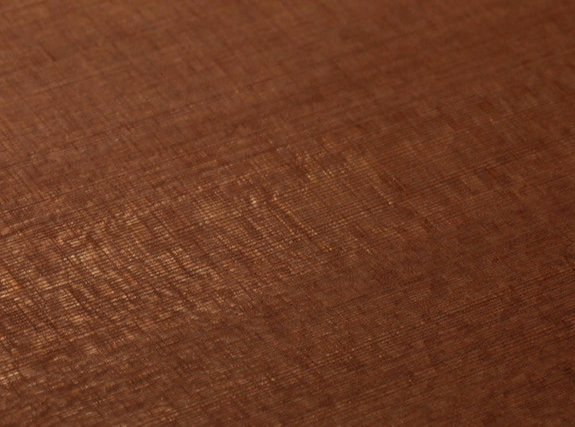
[262, 212]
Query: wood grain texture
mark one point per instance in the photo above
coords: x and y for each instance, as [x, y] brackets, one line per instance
[287, 212]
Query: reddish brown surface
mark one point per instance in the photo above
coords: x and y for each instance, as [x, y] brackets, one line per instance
[300, 212]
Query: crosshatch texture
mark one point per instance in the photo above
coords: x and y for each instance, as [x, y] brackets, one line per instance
[293, 212]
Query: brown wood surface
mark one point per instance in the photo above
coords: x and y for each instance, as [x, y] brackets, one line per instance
[287, 212]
